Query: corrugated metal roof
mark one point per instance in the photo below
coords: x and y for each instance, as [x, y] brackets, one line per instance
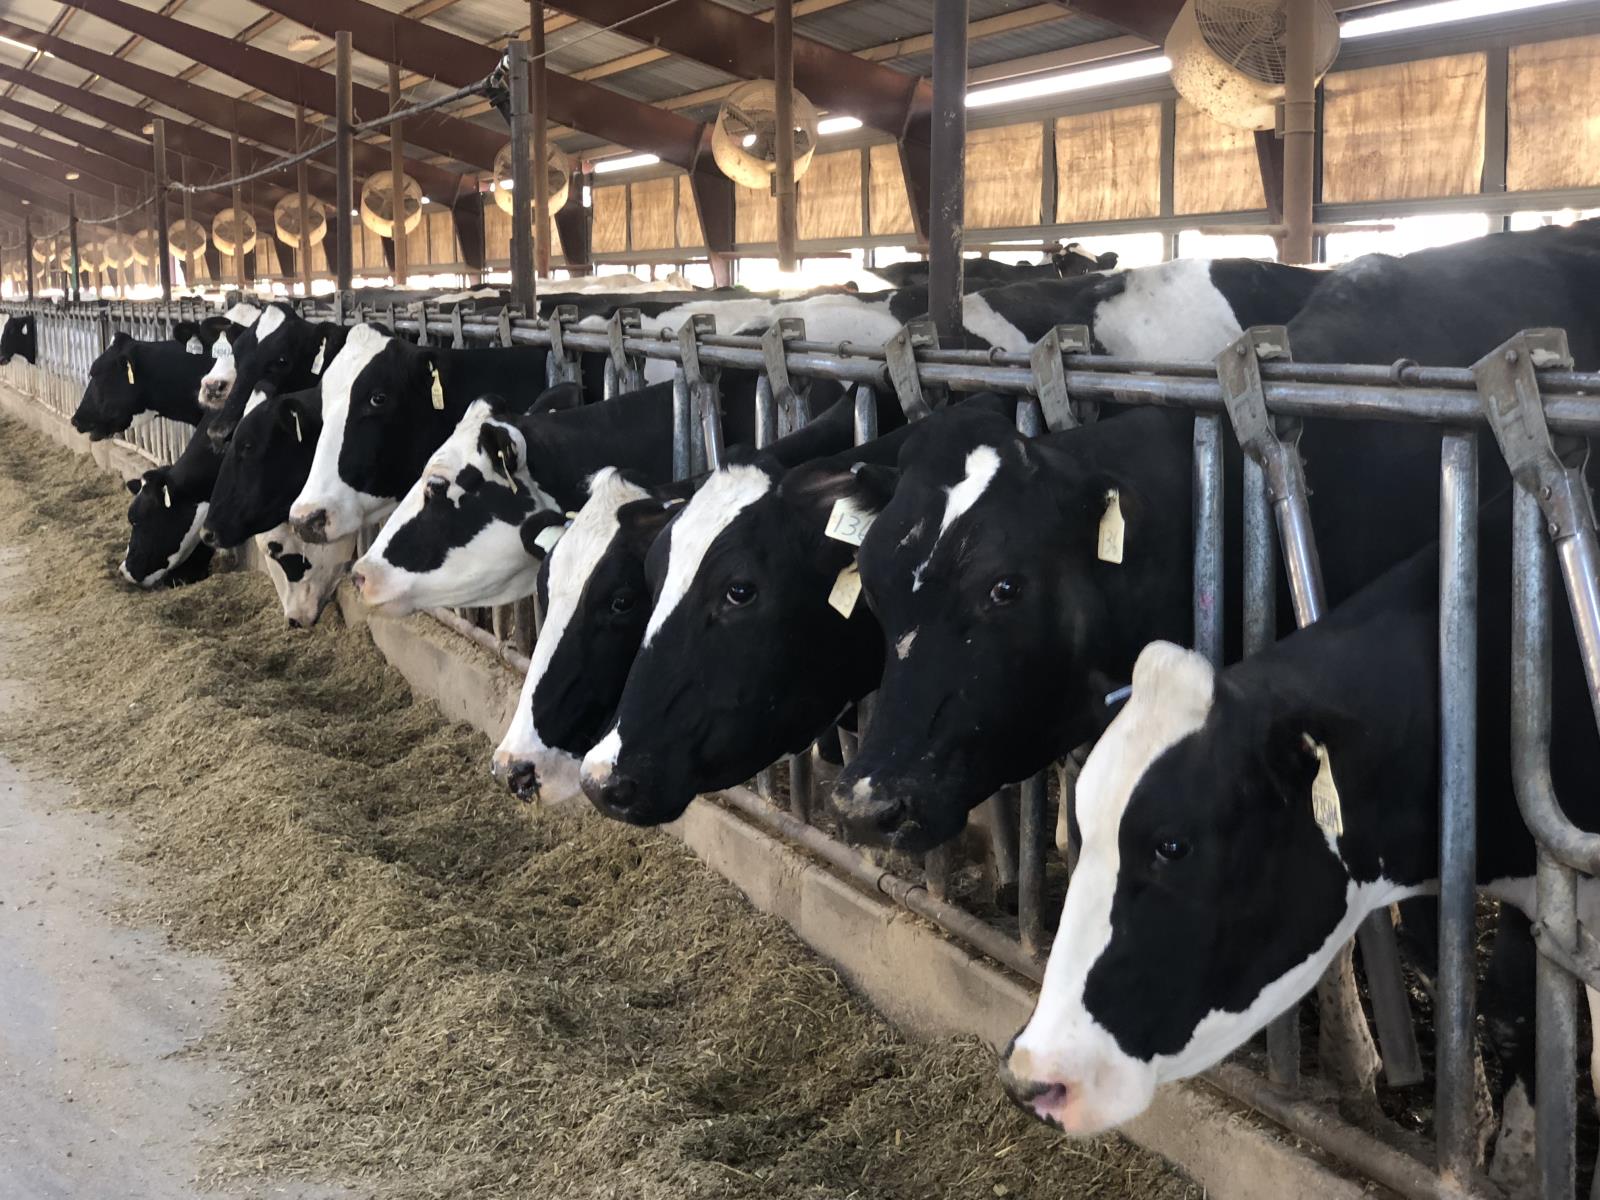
[1020, 43]
[859, 25]
[667, 78]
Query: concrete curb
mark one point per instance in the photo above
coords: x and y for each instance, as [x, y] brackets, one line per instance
[928, 985]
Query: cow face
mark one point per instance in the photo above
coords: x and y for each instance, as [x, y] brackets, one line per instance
[305, 576]
[743, 657]
[17, 336]
[455, 537]
[983, 572]
[596, 602]
[264, 467]
[218, 381]
[282, 352]
[115, 393]
[1206, 899]
[166, 528]
[381, 421]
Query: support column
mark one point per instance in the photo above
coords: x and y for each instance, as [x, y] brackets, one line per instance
[305, 200]
[948, 166]
[27, 250]
[158, 138]
[188, 220]
[541, 142]
[238, 212]
[397, 173]
[72, 245]
[344, 102]
[522, 285]
[1299, 134]
[783, 175]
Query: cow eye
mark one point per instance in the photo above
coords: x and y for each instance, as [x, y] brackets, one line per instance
[1171, 849]
[1005, 590]
[741, 593]
[622, 603]
[377, 400]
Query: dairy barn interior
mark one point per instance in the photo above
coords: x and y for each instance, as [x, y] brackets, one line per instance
[839, 598]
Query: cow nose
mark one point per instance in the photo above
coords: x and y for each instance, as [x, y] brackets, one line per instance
[313, 526]
[294, 622]
[867, 813]
[358, 580]
[1044, 1099]
[209, 536]
[522, 778]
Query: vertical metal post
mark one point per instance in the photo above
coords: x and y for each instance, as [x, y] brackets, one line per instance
[948, 165]
[783, 186]
[682, 426]
[397, 174]
[1454, 1022]
[27, 250]
[866, 414]
[766, 413]
[72, 245]
[238, 211]
[522, 286]
[1299, 133]
[188, 222]
[304, 257]
[1035, 790]
[1208, 583]
[158, 138]
[541, 141]
[344, 159]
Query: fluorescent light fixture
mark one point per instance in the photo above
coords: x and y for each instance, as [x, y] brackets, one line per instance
[71, 175]
[24, 46]
[1070, 81]
[626, 163]
[1424, 15]
[837, 125]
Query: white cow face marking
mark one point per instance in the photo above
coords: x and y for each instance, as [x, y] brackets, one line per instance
[327, 506]
[305, 575]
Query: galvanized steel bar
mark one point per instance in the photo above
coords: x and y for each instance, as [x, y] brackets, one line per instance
[1208, 585]
[158, 138]
[302, 189]
[522, 285]
[947, 186]
[783, 184]
[541, 144]
[344, 161]
[397, 172]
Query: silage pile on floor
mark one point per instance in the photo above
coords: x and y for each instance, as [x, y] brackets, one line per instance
[441, 993]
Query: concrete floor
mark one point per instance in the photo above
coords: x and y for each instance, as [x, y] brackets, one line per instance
[101, 1091]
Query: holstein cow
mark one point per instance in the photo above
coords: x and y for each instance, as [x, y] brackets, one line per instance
[282, 352]
[218, 380]
[1238, 825]
[387, 405]
[596, 603]
[985, 564]
[264, 466]
[755, 644]
[18, 335]
[132, 378]
[169, 504]
[306, 576]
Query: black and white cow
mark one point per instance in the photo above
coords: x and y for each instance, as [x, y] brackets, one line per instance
[595, 599]
[131, 379]
[18, 335]
[1015, 629]
[264, 466]
[218, 381]
[282, 352]
[305, 575]
[754, 645]
[169, 504]
[1238, 825]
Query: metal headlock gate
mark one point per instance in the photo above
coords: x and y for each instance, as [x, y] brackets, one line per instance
[1542, 414]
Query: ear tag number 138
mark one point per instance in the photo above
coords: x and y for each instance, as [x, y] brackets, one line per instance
[848, 522]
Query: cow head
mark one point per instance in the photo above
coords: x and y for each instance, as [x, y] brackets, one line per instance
[743, 659]
[283, 352]
[596, 602]
[1207, 897]
[1003, 627]
[218, 381]
[455, 537]
[116, 392]
[18, 336]
[382, 418]
[306, 576]
[166, 528]
[263, 467]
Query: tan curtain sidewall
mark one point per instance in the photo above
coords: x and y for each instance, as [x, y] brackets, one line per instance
[1005, 173]
[1553, 118]
[830, 197]
[610, 208]
[651, 218]
[689, 232]
[1108, 165]
[1214, 166]
[755, 216]
[889, 208]
[496, 232]
[1409, 131]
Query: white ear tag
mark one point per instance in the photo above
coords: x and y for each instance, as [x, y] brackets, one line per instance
[166, 495]
[846, 591]
[547, 537]
[129, 365]
[295, 413]
[316, 363]
[849, 522]
[1109, 548]
[438, 391]
[505, 469]
[222, 348]
[1325, 805]
[194, 346]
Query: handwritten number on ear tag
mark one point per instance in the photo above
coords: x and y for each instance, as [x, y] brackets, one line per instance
[846, 591]
[1109, 545]
[849, 522]
[438, 391]
[1325, 805]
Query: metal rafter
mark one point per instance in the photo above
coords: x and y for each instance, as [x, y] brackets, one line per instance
[1147, 18]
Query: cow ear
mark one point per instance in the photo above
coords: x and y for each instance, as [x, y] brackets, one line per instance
[838, 504]
[121, 340]
[541, 532]
[641, 521]
[502, 450]
[134, 485]
[1298, 741]
[293, 420]
[332, 336]
[561, 398]
[182, 331]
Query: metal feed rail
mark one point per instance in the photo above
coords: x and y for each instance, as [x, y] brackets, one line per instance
[1542, 411]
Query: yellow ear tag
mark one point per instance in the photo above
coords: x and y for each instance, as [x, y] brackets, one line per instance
[129, 365]
[166, 496]
[848, 522]
[1109, 548]
[316, 363]
[505, 469]
[846, 591]
[1325, 806]
[438, 392]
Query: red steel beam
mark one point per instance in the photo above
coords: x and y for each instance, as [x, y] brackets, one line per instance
[43, 170]
[101, 166]
[1147, 18]
[297, 82]
[224, 112]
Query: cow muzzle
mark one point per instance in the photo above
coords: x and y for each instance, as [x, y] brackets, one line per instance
[520, 776]
[312, 526]
[214, 391]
